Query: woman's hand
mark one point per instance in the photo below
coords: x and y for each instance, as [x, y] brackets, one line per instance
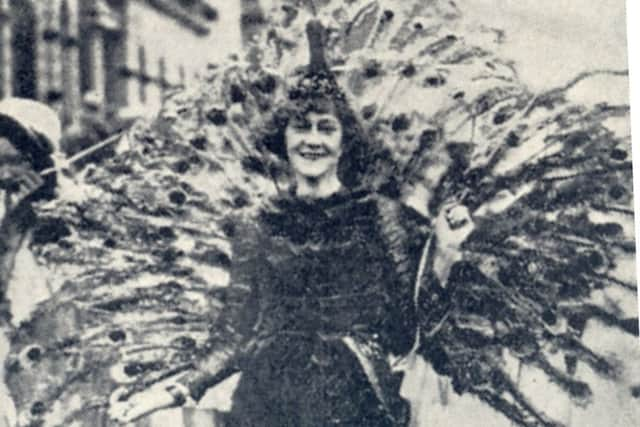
[139, 404]
[452, 226]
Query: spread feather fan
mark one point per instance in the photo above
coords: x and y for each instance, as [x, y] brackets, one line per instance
[140, 259]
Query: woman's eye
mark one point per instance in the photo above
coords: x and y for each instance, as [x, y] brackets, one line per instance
[301, 124]
[327, 127]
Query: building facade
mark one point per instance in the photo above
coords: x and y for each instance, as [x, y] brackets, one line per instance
[111, 60]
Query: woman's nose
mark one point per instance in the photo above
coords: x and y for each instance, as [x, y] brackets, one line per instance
[312, 130]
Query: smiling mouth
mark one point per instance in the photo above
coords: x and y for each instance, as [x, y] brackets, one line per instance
[313, 155]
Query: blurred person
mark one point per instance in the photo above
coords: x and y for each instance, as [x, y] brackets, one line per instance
[30, 133]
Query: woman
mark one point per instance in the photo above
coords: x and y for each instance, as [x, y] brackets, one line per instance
[331, 275]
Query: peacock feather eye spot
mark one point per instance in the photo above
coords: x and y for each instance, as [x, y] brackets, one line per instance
[137, 368]
[133, 369]
[181, 166]
[267, 84]
[229, 229]
[577, 322]
[512, 140]
[34, 354]
[216, 257]
[368, 111]
[38, 408]
[179, 320]
[579, 390]
[577, 139]
[237, 94]
[200, 142]
[434, 81]
[170, 255]
[187, 342]
[68, 342]
[177, 197]
[372, 70]
[409, 70]
[400, 123]
[500, 118]
[617, 192]
[166, 232]
[109, 242]
[618, 154]
[240, 201]
[428, 137]
[117, 335]
[217, 117]
[611, 229]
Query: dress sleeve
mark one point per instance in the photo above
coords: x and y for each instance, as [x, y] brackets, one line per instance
[406, 232]
[232, 330]
[407, 235]
[420, 300]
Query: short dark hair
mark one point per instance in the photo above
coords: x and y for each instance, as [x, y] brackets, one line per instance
[318, 92]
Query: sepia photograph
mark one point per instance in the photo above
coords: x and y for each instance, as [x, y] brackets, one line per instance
[310, 213]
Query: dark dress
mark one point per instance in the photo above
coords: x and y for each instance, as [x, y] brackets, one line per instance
[332, 295]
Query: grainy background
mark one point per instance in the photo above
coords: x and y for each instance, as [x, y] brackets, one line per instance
[550, 41]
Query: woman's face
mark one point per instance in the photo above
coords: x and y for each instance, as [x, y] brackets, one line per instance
[314, 144]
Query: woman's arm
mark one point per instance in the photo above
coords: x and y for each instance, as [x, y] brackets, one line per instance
[230, 335]
[218, 364]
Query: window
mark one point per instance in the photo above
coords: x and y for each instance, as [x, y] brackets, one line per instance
[115, 88]
[23, 49]
[65, 46]
[162, 75]
[114, 56]
[3, 65]
[86, 50]
[142, 74]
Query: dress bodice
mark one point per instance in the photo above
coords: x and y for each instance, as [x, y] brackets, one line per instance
[327, 266]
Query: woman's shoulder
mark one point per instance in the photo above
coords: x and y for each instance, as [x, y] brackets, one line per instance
[393, 211]
[288, 214]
